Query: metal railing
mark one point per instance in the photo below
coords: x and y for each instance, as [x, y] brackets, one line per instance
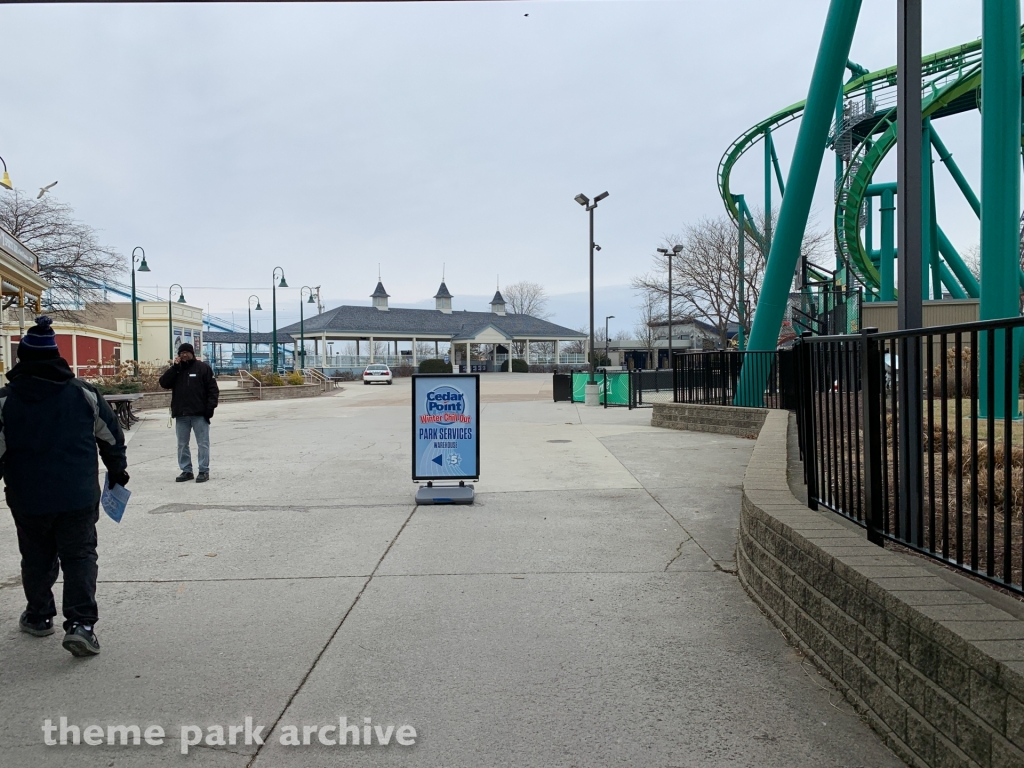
[712, 378]
[916, 436]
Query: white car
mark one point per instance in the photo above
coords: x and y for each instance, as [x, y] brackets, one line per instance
[377, 373]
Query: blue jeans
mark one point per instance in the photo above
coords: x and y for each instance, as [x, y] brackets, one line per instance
[183, 425]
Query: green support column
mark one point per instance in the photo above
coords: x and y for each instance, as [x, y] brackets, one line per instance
[955, 172]
[826, 81]
[927, 251]
[768, 148]
[963, 274]
[1000, 184]
[931, 223]
[888, 265]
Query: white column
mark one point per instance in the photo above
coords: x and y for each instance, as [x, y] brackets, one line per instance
[414, 363]
[371, 349]
[324, 349]
[558, 350]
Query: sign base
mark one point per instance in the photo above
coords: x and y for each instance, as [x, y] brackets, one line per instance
[445, 494]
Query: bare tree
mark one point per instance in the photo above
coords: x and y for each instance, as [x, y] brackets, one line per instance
[526, 298]
[578, 346]
[71, 258]
[705, 275]
[649, 316]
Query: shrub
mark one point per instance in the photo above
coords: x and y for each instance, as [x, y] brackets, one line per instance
[268, 378]
[123, 380]
[518, 366]
[435, 366]
[295, 378]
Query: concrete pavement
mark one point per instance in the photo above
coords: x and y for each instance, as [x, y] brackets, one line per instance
[584, 612]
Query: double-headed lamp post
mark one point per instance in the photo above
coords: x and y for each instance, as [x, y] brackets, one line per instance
[258, 309]
[610, 317]
[273, 337]
[676, 250]
[143, 267]
[590, 206]
[170, 317]
[302, 328]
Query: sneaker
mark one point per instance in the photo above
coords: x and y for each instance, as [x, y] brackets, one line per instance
[80, 640]
[202, 477]
[184, 477]
[37, 628]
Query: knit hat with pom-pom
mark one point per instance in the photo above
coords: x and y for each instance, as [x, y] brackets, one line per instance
[39, 342]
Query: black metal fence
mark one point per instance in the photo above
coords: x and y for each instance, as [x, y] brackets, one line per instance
[713, 378]
[916, 435]
[650, 387]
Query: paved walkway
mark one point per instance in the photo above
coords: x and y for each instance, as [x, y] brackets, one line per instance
[583, 613]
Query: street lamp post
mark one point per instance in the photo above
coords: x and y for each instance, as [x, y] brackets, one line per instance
[273, 331]
[258, 309]
[5, 180]
[676, 249]
[302, 327]
[590, 206]
[610, 317]
[143, 267]
[170, 318]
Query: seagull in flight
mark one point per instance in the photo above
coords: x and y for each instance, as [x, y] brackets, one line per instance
[42, 190]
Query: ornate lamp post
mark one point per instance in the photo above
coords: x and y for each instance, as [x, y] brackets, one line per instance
[273, 337]
[301, 362]
[258, 309]
[143, 267]
[5, 180]
[170, 318]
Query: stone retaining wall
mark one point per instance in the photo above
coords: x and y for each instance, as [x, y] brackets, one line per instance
[290, 392]
[723, 419]
[151, 400]
[934, 668]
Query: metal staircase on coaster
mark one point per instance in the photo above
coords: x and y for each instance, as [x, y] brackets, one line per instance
[862, 135]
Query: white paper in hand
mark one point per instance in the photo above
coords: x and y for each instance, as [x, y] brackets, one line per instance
[114, 500]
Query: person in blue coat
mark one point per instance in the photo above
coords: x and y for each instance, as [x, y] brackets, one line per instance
[51, 425]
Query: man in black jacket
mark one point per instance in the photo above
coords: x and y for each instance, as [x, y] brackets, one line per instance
[50, 427]
[194, 396]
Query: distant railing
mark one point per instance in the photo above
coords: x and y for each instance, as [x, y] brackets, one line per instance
[713, 378]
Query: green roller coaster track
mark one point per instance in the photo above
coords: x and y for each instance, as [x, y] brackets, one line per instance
[951, 85]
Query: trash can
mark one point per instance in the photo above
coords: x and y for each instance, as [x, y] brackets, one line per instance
[561, 386]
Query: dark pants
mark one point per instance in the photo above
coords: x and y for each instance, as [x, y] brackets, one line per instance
[66, 541]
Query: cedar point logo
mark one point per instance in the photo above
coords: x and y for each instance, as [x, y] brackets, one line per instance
[445, 405]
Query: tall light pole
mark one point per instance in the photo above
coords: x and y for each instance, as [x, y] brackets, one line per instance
[143, 267]
[302, 327]
[170, 318]
[273, 331]
[258, 309]
[610, 317]
[590, 206]
[676, 250]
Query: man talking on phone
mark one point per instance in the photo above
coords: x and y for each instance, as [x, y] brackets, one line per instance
[194, 396]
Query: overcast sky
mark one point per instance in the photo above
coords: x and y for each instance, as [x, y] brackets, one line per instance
[328, 138]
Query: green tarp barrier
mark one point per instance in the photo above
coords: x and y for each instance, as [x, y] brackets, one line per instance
[617, 384]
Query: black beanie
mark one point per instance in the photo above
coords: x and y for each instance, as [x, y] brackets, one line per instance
[39, 342]
[186, 347]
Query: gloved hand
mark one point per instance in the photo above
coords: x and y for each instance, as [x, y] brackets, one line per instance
[121, 479]
[208, 415]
